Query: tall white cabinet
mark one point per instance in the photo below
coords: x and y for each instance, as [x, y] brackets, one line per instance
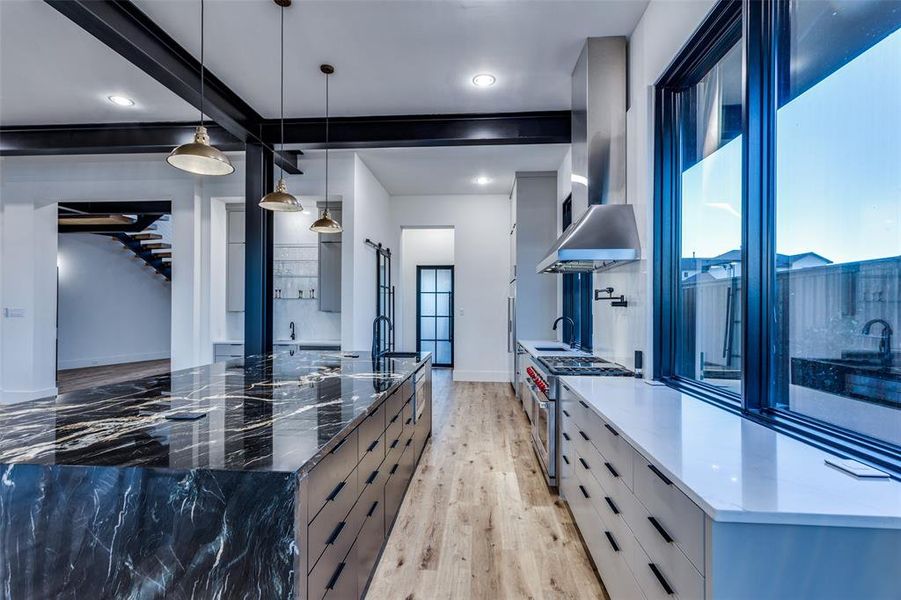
[533, 230]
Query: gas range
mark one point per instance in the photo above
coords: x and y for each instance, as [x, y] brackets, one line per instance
[583, 365]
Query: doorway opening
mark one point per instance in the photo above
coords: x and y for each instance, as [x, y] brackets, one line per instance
[435, 313]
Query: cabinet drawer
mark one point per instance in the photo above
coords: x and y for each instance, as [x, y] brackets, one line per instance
[407, 415]
[369, 542]
[334, 576]
[370, 432]
[395, 427]
[681, 518]
[679, 571]
[372, 458]
[615, 448]
[329, 478]
[331, 526]
[655, 581]
[395, 402]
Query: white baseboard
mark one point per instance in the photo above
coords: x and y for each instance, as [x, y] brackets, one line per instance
[488, 376]
[100, 361]
[11, 397]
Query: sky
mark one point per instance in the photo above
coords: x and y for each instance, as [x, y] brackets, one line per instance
[838, 170]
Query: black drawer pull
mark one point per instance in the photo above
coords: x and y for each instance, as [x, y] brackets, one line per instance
[611, 429]
[394, 468]
[584, 491]
[394, 418]
[395, 443]
[662, 477]
[408, 421]
[372, 508]
[663, 583]
[584, 464]
[612, 505]
[612, 541]
[663, 533]
[334, 580]
[372, 446]
[584, 435]
[582, 402]
[335, 533]
[372, 477]
[565, 436]
[565, 413]
[338, 447]
[335, 491]
[409, 441]
[611, 469]
[565, 458]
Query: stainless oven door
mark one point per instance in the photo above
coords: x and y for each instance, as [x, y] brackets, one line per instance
[543, 431]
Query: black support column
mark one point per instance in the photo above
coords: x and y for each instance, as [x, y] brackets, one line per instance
[258, 252]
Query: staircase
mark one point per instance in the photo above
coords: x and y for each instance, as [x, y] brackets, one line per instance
[152, 245]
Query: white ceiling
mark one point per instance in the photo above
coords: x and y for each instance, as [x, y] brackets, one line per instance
[391, 56]
[52, 71]
[452, 170]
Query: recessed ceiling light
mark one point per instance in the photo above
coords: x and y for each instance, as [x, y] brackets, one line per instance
[482, 180]
[484, 80]
[121, 100]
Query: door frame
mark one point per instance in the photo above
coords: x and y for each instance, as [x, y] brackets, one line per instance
[419, 269]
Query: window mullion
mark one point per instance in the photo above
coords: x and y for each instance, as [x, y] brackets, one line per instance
[758, 204]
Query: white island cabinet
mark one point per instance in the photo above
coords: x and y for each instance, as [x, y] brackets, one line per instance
[677, 498]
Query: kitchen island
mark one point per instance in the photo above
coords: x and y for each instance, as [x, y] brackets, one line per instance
[273, 477]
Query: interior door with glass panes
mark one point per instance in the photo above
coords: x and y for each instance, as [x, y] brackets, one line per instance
[435, 313]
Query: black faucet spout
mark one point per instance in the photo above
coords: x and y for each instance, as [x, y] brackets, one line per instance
[885, 340]
[572, 333]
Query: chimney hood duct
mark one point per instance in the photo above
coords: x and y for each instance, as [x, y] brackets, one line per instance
[606, 235]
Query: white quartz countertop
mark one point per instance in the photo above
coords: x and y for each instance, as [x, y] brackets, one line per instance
[734, 469]
[531, 346]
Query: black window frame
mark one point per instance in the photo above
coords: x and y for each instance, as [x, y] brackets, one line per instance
[419, 315]
[761, 25]
[576, 295]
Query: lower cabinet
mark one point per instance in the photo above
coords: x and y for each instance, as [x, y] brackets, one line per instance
[643, 547]
[355, 493]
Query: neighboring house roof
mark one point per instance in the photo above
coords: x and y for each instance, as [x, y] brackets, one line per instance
[783, 261]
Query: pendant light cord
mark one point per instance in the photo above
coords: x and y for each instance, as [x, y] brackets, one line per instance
[281, 171]
[326, 141]
[201, 62]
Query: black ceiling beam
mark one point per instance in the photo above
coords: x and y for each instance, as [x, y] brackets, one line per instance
[125, 29]
[547, 127]
[143, 207]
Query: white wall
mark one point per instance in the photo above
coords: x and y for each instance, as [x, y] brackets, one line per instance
[663, 29]
[481, 269]
[370, 218]
[433, 246]
[112, 307]
[31, 187]
[564, 189]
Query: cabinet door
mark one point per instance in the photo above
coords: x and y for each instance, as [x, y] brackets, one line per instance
[234, 283]
[330, 276]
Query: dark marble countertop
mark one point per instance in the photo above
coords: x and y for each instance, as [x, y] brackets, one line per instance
[275, 413]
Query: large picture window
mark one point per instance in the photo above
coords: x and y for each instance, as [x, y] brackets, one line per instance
[778, 220]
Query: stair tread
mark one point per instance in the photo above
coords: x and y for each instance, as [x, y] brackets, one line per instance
[146, 236]
[157, 246]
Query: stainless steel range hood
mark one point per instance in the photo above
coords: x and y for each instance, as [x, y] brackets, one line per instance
[606, 234]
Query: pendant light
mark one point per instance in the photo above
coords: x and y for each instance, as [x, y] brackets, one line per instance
[199, 157]
[280, 200]
[325, 223]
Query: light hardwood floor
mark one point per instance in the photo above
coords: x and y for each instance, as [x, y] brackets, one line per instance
[89, 377]
[478, 520]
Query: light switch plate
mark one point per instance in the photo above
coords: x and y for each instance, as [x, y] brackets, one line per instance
[13, 313]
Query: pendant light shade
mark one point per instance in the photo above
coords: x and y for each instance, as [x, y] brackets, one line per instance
[280, 200]
[325, 223]
[199, 157]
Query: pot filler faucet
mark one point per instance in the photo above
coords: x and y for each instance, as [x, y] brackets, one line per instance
[885, 341]
[572, 330]
[293, 335]
[376, 338]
